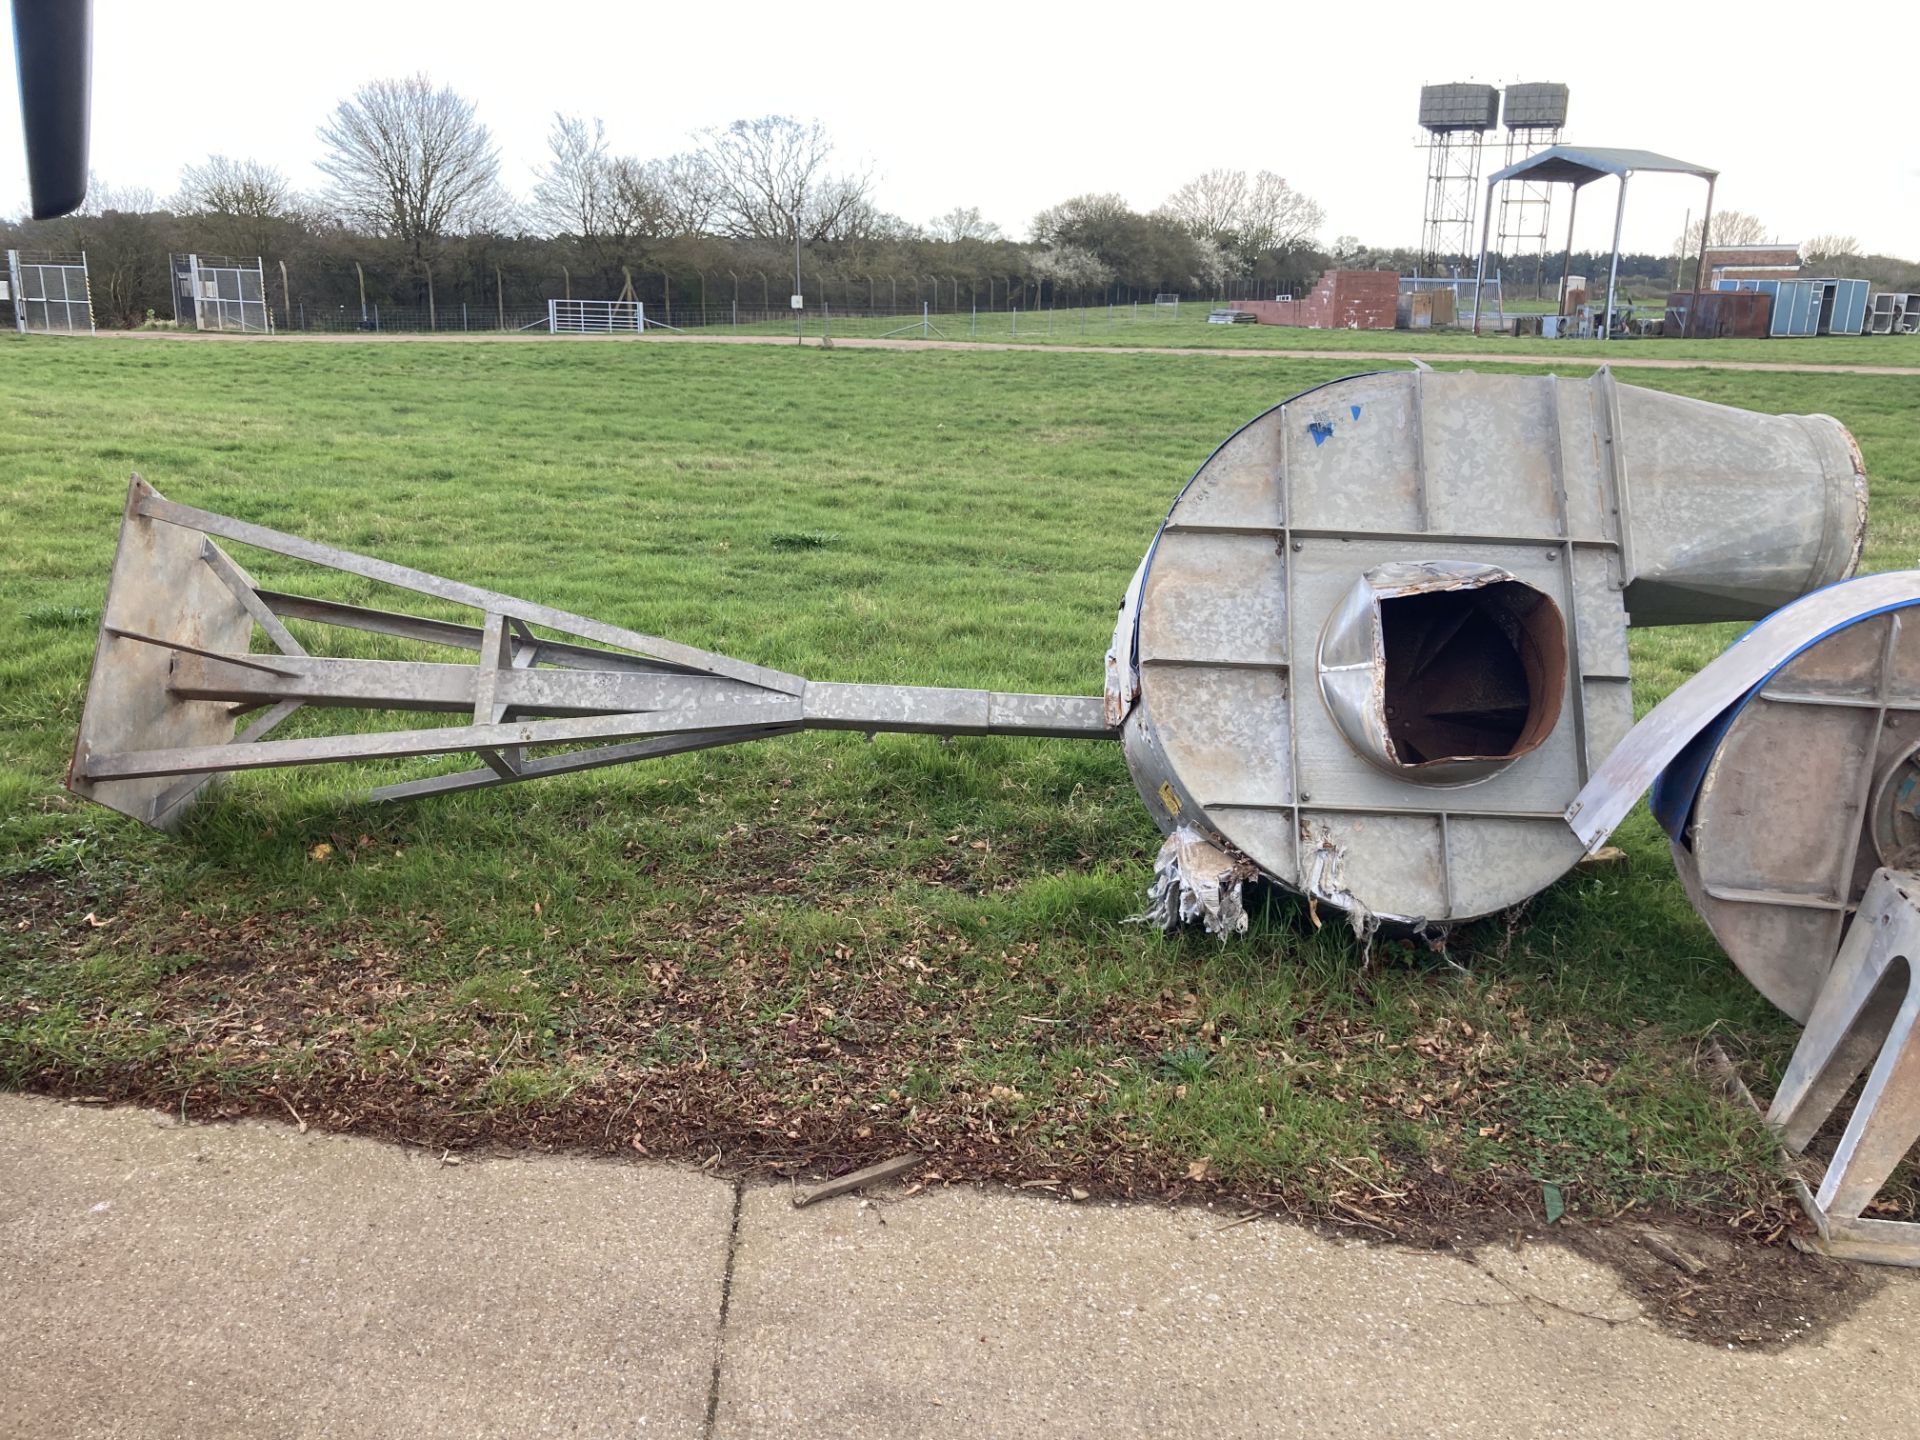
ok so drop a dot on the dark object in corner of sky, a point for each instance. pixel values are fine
(53, 40)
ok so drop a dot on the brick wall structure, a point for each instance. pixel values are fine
(1748, 262)
(1342, 300)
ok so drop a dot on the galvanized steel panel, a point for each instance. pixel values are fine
(1490, 859)
(1355, 471)
(1393, 864)
(1225, 732)
(1239, 487)
(1490, 453)
(1215, 597)
(1269, 838)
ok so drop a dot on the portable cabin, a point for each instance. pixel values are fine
(1827, 306)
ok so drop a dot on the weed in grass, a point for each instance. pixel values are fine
(60, 617)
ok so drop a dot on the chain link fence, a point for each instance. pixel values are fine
(921, 320)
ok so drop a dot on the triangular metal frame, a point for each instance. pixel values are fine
(173, 670)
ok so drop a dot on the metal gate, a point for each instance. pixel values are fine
(51, 294)
(595, 317)
(213, 292)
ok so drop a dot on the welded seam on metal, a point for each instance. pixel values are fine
(1609, 389)
(1570, 578)
(153, 506)
(245, 662)
(175, 796)
(496, 654)
(240, 584)
(1421, 505)
(1863, 797)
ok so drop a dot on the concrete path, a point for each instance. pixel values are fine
(1627, 359)
(159, 1280)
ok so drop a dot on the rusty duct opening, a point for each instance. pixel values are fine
(1473, 674)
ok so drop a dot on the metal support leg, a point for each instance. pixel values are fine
(496, 655)
(1868, 1014)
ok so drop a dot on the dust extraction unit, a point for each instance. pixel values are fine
(1372, 655)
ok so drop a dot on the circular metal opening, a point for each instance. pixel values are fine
(1444, 672)
(1896, 812)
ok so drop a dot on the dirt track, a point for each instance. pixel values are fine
(1396, 356)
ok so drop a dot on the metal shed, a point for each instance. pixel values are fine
(1720, 314)
(1579, 166)
(1827, 306)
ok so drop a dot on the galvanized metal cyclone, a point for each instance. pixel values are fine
(1813, 787)
(1462, 551)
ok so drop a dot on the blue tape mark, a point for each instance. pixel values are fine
(1153, 547)
(1320, 432)
(1356, 411)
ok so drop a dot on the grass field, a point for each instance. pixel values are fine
(816, 950)
(1144, 325)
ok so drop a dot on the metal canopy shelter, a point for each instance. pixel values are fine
(1579, 166)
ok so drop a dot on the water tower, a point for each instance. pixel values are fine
(1456, 118)
(1534, 115)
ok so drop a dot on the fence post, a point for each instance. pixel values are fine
(736, 312)
(463, 314)
(286, 297)
(500, 296)
(376, 317)
(973, 325)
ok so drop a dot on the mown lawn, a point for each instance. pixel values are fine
(1164, 328)
(817, 950)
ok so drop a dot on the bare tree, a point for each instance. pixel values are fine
(1245, 216)
(411, 161)
(573, 191)
(1730, 227)
(963, 222)
(1276, 216)
(771, 182)
(689, 192)
(1831, 247)
(104, 199)
(1210, 204)
(242, 206)
(241, 189)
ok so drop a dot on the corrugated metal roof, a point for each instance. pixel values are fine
(1582, 164)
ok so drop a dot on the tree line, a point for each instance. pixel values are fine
(414, 217)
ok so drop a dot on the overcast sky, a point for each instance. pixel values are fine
(1012, 107)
